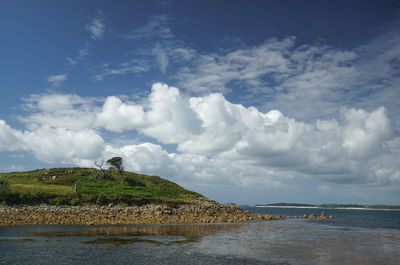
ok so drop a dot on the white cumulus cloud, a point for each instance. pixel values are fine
(9, 138)
(59, 145)
(215, 141)
(332, 150)
(54, 145)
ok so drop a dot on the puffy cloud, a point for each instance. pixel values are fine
(359, 136)
(57, 101)
(54, 145)
(60, 129)
(9, 138)
(317, 79)
(60, 110)
(60, 145)
(365, 132)
(191, 169)
(118, 116)
(216, 141)
(146, 157)
(167, 118)
(331, 150)
(386, 175)
(170, 118)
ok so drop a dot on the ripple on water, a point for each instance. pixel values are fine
(278, 242)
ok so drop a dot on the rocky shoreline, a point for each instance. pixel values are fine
(147, 214)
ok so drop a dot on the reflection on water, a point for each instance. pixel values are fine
(301, 242)
(117, 241)
(275, 242)
(15, 239)
(158, 233)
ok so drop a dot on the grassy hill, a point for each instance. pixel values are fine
(79, 186)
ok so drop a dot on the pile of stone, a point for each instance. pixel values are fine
(322, 216)
(204, 212)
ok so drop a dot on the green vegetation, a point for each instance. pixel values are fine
(116, 163)
(81, 186)
(4, 190)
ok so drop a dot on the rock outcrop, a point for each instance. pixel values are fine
(204, 212)
(314, 216)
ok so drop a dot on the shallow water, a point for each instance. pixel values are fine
(343, 217)
(292, 241)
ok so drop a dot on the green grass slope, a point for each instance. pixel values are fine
(79, 186)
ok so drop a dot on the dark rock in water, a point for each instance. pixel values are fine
(323, 216)
(312, 216)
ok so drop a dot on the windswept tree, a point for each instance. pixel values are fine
(100, 166)
(116, 163)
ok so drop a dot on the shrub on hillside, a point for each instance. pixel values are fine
(133, 182)
(101, 199)
(4, 190)
(4, 186)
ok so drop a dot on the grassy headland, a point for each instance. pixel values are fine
(91, 196)
(89, 186)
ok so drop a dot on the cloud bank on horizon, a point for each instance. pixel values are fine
(269, 118)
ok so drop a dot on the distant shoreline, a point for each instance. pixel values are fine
(321, 207)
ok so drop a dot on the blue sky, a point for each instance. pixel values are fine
(245, 102)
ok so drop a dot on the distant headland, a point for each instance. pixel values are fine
(333, 206)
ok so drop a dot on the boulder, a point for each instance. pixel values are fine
(312, 216)
(323, 216)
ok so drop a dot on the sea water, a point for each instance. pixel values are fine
(352, 237)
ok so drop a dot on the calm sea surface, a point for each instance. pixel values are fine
(353, 237)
